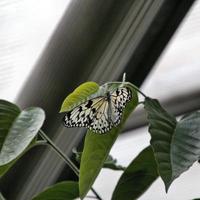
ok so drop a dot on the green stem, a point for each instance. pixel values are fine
(131, 85)
(65, 158)
(59, 152)
(137, 89)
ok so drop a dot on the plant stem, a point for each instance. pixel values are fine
(137, 89)
(131, 85)
(59, 152)
(65, 158)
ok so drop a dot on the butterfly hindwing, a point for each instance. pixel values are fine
(99, 114)
(100, 121)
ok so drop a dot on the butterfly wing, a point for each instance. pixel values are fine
(99, 114)
(92, 114)
(119, 98)
(100, 121)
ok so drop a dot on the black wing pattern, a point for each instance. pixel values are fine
(119, 99)
(101, 113)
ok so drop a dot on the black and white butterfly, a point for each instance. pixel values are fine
(101, 113)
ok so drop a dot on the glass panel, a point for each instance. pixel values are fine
(26, 26)
(177, 71)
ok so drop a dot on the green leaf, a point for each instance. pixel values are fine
(8, 113)
(176, 144)
(18, 130)
(5, 168)
(137, 177)
(185, 146)
(161, 128)
(67, 190)
(20, 134)
(79, 95)
(109, 163)
(97, 146)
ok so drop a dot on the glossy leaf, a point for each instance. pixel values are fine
(20, 134)
(176, 144)
(185, 146)
(97, 146)
(79, 95)
(17, 131)
(5, 168)
(137, 177)
(67, 190)
(8, 113)
(162, 126)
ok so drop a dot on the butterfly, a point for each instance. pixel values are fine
(100, 114)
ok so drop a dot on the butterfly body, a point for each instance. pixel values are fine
(100, 113)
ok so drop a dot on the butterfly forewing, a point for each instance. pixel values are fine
(91, 114)
(119, 99)
(99, 114)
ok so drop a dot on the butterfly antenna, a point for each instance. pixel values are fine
(124, 77)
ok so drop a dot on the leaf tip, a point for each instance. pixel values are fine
(167, 185)
(79, 94)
